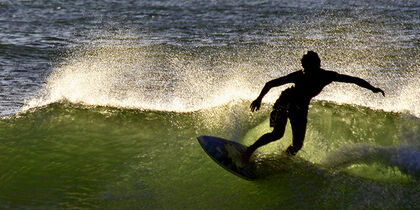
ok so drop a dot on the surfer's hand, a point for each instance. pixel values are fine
(255, 105)
(379, 90)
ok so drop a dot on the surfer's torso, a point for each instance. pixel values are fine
(306, 85)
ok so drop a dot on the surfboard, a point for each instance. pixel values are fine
(228, 155)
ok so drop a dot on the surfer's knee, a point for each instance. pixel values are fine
(277, 134)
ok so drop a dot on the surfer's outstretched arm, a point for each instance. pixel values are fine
(256, 104)
(358, 81)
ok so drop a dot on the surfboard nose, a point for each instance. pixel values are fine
(202, 141)
(228, 155)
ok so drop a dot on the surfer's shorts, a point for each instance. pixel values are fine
(283, 109)
(278, 116)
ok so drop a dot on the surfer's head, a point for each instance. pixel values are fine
(311, 61)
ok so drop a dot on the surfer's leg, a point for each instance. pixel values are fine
(266, 138)
(278, 121)
(298, 121)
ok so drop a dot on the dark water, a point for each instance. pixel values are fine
(102, 102)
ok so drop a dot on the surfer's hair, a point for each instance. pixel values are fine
(311, 60)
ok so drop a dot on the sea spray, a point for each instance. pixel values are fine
(119, 70)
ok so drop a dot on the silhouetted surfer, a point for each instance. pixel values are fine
(293, 102)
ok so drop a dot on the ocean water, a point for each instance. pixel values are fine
(101, 103)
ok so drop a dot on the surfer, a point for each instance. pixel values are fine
(293, 102)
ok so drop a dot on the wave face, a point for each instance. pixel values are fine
(95, 157)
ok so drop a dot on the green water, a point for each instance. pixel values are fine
(73, 156)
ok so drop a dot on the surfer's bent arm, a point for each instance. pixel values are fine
(358, 81)
(255, 105)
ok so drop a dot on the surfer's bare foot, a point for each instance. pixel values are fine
(286, 154)
(291, 151)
